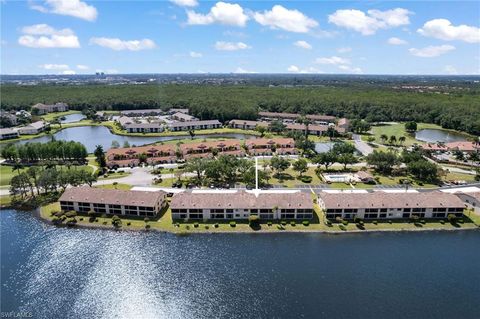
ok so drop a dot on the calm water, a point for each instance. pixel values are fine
(90, 136)
(73, 118)
(433, 136)
(78, 273)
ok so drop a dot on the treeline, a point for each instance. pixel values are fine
(458, 109)
(51, 151)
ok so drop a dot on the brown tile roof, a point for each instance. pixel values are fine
(390, 200)
(111, 196)
(266, 141)
(314, 117)
(207, 145)
(242, 199)
(462, 146)
(148, 149)
(194, 123)
(248, 122)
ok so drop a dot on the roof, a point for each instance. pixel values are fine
(123, 120)
(390, 200)
(181, 110)
(265, 141)
(4, 131)
(167, 148)
(142, 111)
(194, 123)
(211, 144)
(475, 195)
(248, 122)
(184, 116)
(143, 125)
(111, 196)
(462, 146)
(242, 199)
(364, 175)
(296, 115)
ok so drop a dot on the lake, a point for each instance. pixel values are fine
(71, 118)
(434, 136)
(78, 273)
(90, 136)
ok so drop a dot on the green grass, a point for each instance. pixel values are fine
(115, 175)
(291, 178)
(6, 172)
(51, 116)
(5, 200)
(398, 130)
(117, 186)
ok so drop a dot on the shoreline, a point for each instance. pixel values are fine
(271, 230)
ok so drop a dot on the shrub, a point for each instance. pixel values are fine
(253, 220)
(422, 221)
(345, 222)
(71, 213)
(146, 219)
(96, 220)
(452, 218)
(342, 227)
(269, 223)
(92, 213)
(207, 227)
(390, 221)
(306, 222)
(54, 213)
(105, 222)
(104, 215)
(442, 221)
(338, 219)
(177, 225)
(280, 227)
(284, 223)
(292, 223)
(233, 224)
(56, 220)
(195, 224)
(147, 226)
(58, 214)
(187, 227)
(461, 221)
(129, 223)
(81, 219)
(328, 223)
(375, 222)
(71, 221)
(216, 225)
(306, 179)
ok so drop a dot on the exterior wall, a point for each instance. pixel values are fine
(470, 201)
(30, 130)
(8, 135)
(194, 127)
(235, 214)
(388, 213)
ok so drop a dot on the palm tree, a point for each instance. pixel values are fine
(384, 138)
(393, 140)
(402, 139)
(17, 166)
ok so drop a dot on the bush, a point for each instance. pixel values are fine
(216, 225)
(442, 222)
(96, 220)
(461, 221)
(54, 213)
(147, 226)
(253, 220)
(56, 220)
(328, 223)
(280, 227)
(129, 223)
(375, 222)
(292, 223)
(176, 225)
(105, 222)
(284, 223)
(233, 224)
(306, 222)
(207, 227)
(58, 214)
(195, 224)
(81, 219)
(146, 219)
(306, 179)
(269, 223)
(390, 221)
(345, 222)
(71, 213)
(342, 227)
(187, 227)
(422, 221)
(104, 215)
(338, 219)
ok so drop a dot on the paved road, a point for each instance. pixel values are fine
(363, 147)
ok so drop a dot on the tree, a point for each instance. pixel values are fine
(402, 139)
(276, 126)
(197, 166)
(382, 161)
(327, 159)
(17, 167)
(459, 156)
(115, 144)
(384, 138)
(423, 170)
(191, 133)
(300, 166)
(100, 156)
(34, 173)
(393, 140)
(279, 164)
(249, 177)
(303, 143)
(347, 159)
(411, 126)
(126, 144)
(261, 129)
(343, 148)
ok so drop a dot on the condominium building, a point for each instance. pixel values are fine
(265, 146)
(183, 117)
(232, 205)
(206, 149)
(50, 108)
(130, 156)
(318, 119)
(33, 128)
(383, 205)
(8, 133)
(471, 199)
(194, 125)
(246, 124)
(112, 201)
(143, 112)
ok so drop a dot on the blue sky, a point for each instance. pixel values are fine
(191, 36)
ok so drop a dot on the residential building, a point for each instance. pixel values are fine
(8, 133)
(471, 199)
(102, 116)
(124, 120)
(7, 119)
(206, 149)
(130, 156)
(291, 117)
(194, 125)
(343, 125)
(383, 205)
(266, 146)
(112, 201)
(33, 128)
(152, 127)
(246, 124)
(313, 129)
(235, 204)
(464, 146)
(177, 110)
(23, 113)
(144, 112)
(183, 117)
(50, 108)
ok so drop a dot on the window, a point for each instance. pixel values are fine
(406, 215)
(406, 210)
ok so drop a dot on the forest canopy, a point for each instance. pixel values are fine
(454, 110)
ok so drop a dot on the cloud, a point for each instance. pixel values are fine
(69, 72)
(231, 46)
(194, 54)
(74, 8)
(368, 23)
(44, 36)
(222, 13)
(54, 66)
(289, 20)
(396, 41)
(296, 69)
(344, 50)
(185, 3)
(303, 44)
(450, 69)
(240, 70)
(335, 60)
(293, 68)
(119, 45)
(82, 67)
(444, 30)
(431, 51)
(349, 69)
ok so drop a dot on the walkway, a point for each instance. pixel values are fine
(362, 146)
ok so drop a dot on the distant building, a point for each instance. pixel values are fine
(50, 108)
(153, 127)
(265, 146)
(33, 128)
(382, 205)
(232, 205)
(246, 124)
(102, 116)
(112, 201)
(194, 125)
(176, 110)
(183, 117)
(8, 119)
(206, 149)
(313, 129)
(8, 133)
(144, 112)
(317, 119)
(467, 147)
(124, 120)
(364, 176)
(129, 156)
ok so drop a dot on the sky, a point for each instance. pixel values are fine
(194, 36)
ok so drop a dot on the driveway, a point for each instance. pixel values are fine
(362, 146)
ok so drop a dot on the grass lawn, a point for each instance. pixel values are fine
(452, 176)
(6, 172)
(398, 130)
(117, 186)
(118, 174)
(51, 116)
(290, 178)
(5, 200)
(164, 223)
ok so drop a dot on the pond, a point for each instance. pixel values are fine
(91, 136)
(435, 135)
(71, 118)
(90, 273)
